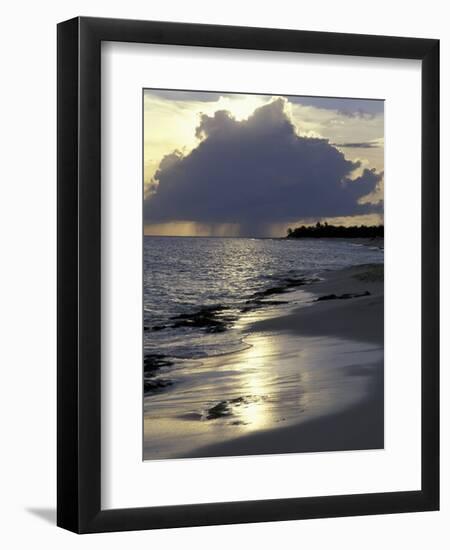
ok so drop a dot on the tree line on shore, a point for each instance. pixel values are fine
(324, 230)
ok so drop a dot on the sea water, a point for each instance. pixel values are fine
(182, 275)
(212, 382)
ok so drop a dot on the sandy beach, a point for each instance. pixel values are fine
(354, 317)
(310, 378)
(359, 426)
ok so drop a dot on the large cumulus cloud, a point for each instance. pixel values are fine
(257, 171)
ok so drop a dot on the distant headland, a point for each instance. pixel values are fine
(325, 230)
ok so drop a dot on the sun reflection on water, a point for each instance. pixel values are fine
(273, 393)
(276, 381)
(256, 383)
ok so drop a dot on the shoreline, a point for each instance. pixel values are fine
(356, 428)
(310, 380)
(359, 426)
(356, 317)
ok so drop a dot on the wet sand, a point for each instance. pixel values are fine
(355, 318)
(358, 428)
(358, 318)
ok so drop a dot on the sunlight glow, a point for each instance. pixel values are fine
(170, 125)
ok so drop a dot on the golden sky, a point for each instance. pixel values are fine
(171, 118)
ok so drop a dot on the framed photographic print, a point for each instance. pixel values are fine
(248, 317)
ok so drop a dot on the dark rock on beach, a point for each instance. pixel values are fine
(210, 318)
(225, 408)
(345, 296)
(153, 363)
(354, 295)
(293, 282)
(258, 299)
(218, 411)
(214, 318)
(326, 297)
(155, 384)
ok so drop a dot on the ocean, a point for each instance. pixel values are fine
(183, 275)
(207, 377)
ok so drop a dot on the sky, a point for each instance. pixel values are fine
(223, 164)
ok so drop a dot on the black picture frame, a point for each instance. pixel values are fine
(79, 280)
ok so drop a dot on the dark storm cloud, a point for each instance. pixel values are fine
(185, 95)
(359, 145)
(257, 171)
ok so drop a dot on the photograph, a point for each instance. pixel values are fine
(263, 274)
